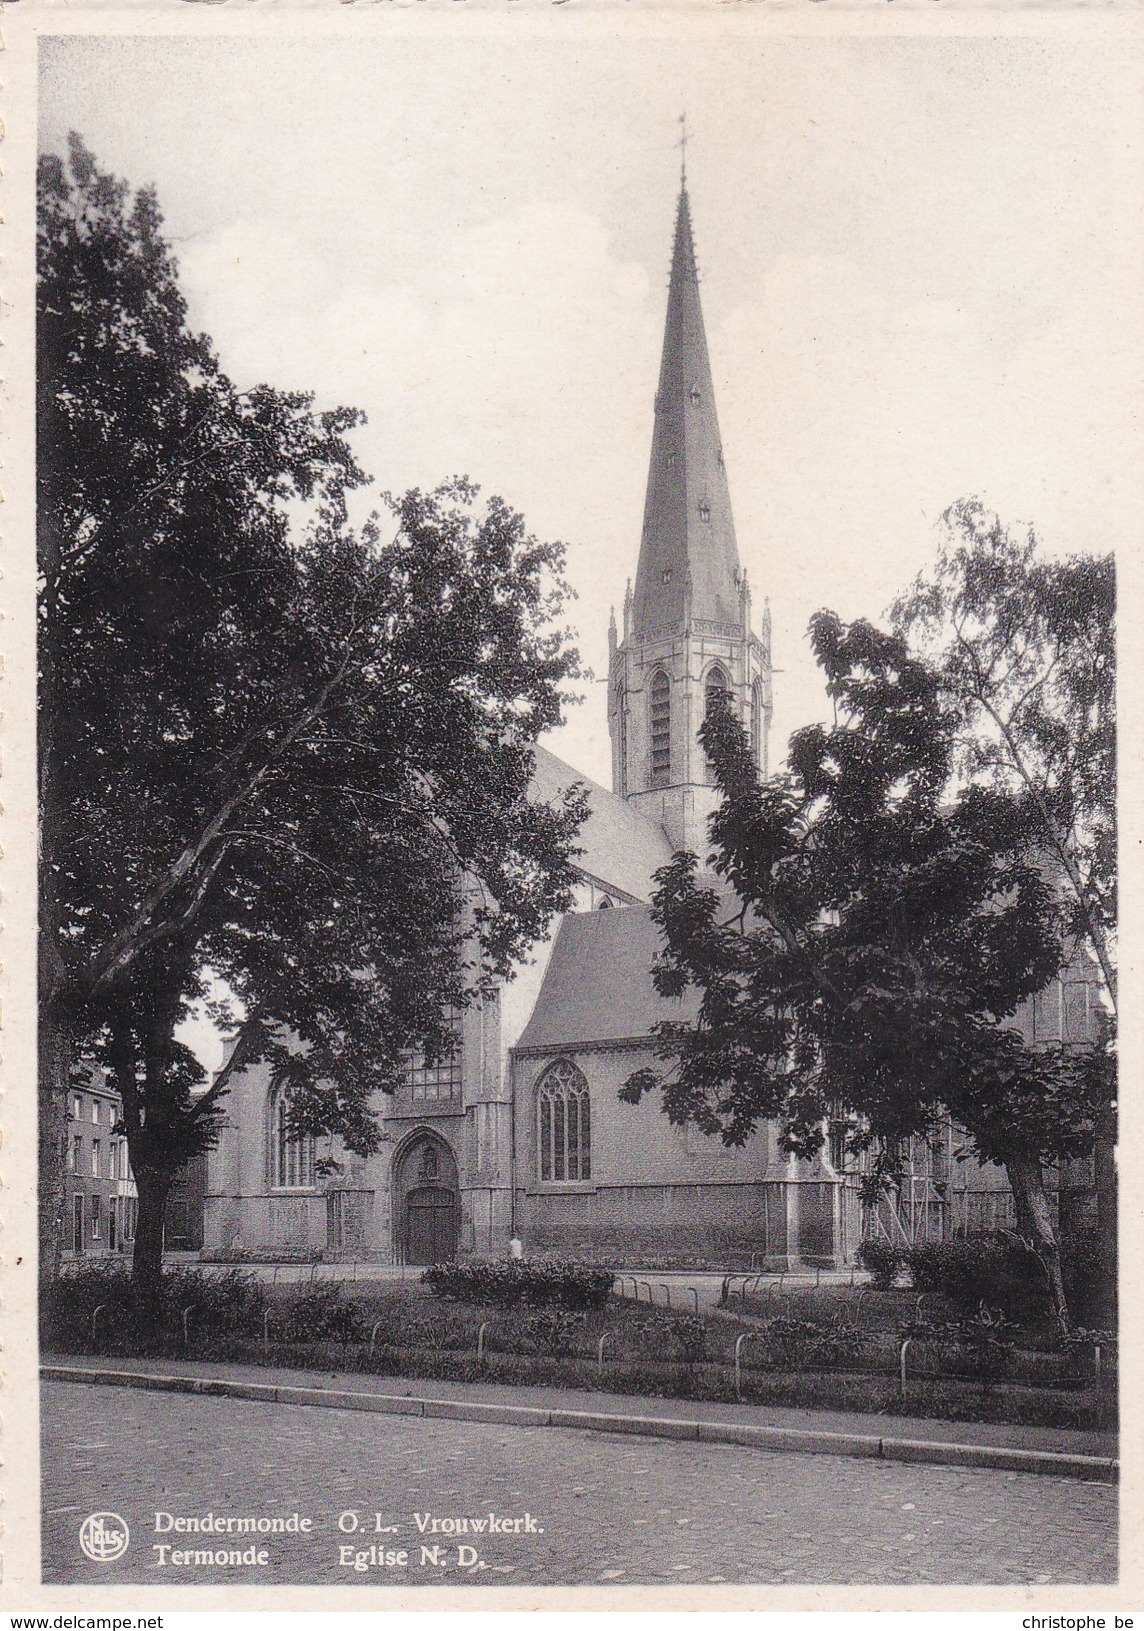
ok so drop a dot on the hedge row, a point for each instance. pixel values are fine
(998, 1269)
(100, 1307)
(541, 1283)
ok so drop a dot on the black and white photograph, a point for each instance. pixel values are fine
(576, 696)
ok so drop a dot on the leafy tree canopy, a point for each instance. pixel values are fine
(864, 932)
(276, 752)
(1026, 650)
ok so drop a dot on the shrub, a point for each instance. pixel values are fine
(689, 1333)
(436, 1335)
(784, 1342)
(883, 1259)
(554, 1332)
(1091, 1300)
(324, 1315)
(543, 1283)
(99, 1310)
(988, 1338)
(836, 1347)
(95, 1299)
(787, 1343)
(223, 1305)
(999, 1270)
(242, 1254)
(1080, 1356)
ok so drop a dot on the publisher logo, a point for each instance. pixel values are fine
(103, 1536)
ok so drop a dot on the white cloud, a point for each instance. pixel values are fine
(524, 355)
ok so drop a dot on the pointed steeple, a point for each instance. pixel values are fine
(689, 564)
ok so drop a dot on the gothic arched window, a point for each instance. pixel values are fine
(291, 1159)
(718, 685)
(563, 1124)
(660, 723)
(757, 723)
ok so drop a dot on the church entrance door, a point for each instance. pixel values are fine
(427, 1201)
(431, 1226)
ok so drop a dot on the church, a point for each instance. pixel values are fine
(520, 1132)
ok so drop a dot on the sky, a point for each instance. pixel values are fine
(912, 273)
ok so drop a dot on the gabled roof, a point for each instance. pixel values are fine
(620, 847)
(597, 986)
(689, 564)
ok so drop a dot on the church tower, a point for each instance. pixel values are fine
(687, 629)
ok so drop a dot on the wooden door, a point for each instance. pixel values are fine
(431, 1225)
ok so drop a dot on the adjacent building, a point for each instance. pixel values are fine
(100, 1198)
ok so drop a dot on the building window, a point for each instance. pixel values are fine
(1048, 1013)
(96, 1148)
(696, 399)
(564, 1124)
(660, 729)
(757, 723)
(704, 510)
(95, 1112)
(291, 1159)
(73, 1153)
(77, 1108)
(77, 1224)
(129, 1210)
(718, 685)
(670, 461)
(442, 1081)
(96, 1217)
(840, 1129)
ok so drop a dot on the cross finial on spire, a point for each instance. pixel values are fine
(684, 138)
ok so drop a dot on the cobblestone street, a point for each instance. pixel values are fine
(606, 1507)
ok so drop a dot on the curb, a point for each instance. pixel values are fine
(1056, 1463)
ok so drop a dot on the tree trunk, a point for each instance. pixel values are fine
(54, 1066)
(154, 1185)
(1026, 1175)
(1023, 1212)
(1104, 1173)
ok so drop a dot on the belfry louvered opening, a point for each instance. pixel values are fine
(660, 729)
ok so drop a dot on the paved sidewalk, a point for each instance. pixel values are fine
(1068, 1441)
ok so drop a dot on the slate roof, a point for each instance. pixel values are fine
(597, 986)
(688, 563)
(621, 847)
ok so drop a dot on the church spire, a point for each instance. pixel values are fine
(689, 564)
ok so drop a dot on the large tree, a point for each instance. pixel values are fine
(1025, 646)
(865, 936)
(280, 758)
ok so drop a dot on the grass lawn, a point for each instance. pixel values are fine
(801, 1349)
